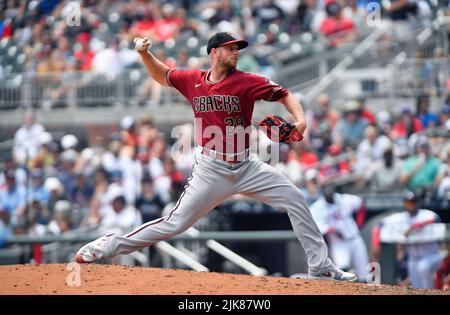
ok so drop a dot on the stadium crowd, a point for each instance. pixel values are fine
(94, 35)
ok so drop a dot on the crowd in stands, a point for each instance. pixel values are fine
(49, 36)
(356, 149)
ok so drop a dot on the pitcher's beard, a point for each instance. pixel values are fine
(229, 65)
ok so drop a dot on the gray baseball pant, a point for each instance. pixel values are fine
(212, 182)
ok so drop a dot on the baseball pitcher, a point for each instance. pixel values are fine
(222, 100)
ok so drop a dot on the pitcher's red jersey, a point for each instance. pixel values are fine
(226, 105)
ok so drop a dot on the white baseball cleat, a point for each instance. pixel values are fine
(337, 275)
(91, 251)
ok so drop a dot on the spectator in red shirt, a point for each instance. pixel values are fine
(331, 115)
(336, 26)
(129, 132)
(334, 166)
(84, 56)
(406, 125)
(306, 158)
(168, 26)
(366, 113)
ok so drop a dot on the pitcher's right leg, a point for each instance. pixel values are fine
(197, 199)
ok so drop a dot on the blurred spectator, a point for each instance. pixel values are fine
(445, 115)
(34, 217)
(442, 181)
(99, 198)
(5, 228)
(384, 122)
(107, 61)
(365, 112)
(311, 190)
(184, 159)
(149, 203)
(304, 155)
(69, 142)
(13, 199)
(336, 25)
(128, 131)
(131, 170)
(267, 12)
(37, 190)
(306, 16)
(84, 55)
(67, 174)
(405, 125)
(370, 149)
(10, 164)
(83, 190)
(110, 158)
(147, 134)
(45, 158)
(117, 216)
(349, 131)
(319, 132)
(421, 169)
(427, 118)
(334, 214)
(401, 9)
(56, 190)
(164, 181)
(334, 166)
(383, 176)
(155, 164)
(332, 116)
(289, 165)
(61, 219)
(27, 139)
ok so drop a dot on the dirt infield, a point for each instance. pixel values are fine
(113, 279)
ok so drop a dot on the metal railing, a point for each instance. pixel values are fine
(80, 89)
(420, 77)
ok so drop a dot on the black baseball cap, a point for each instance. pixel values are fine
(412, 195)
(224, 38)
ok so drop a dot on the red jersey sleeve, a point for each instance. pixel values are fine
(182, 80)
(261, 88)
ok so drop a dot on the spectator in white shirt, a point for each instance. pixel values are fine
(27, 139)
(118, 216)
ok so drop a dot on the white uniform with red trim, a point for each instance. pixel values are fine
(347, 248)
(223, 166)
(423, 258)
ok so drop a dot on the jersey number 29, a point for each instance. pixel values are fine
(234, 124)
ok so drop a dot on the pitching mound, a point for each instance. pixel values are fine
(113, 279)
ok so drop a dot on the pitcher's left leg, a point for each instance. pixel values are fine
(262, 182)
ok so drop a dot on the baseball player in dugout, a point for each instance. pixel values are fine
(223, 99)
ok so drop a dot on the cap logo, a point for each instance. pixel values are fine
(232, 36)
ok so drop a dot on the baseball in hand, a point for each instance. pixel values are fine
(140, 43)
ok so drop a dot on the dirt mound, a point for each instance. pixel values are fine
(113, 279)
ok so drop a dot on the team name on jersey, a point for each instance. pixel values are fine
(212, 103)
